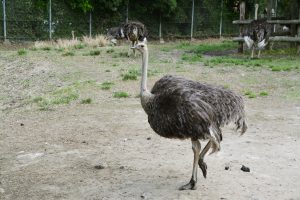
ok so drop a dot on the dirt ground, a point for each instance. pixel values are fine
(52, 153)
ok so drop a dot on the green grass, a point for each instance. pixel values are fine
(22, 52)
(68, 53)
(250, 94)
(64, 96)
(281, 68)
(191, 57)
(120, 95)
(106, 85)
(110, 50)
(220, 46)
(131, 74)
(94, 52)
(46, 48)
(80, 46)
(263, 94)
(86, 101)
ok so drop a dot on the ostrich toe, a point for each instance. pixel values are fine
(190, 186)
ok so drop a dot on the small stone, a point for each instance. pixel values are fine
(101, 166)
(21, 124)
(122, 167)
(245, 169)
(144, 196)
(226, 167)
(148, 138)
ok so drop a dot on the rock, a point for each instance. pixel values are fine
(148, 138)
(21, 124)
(245, 169)
(122, 167)
(144, 195)
(101, 166)
(227, 167)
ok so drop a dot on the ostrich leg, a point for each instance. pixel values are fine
(252, 54)
(196, 146)
(201, 163)
(258, 56)
(133, 44)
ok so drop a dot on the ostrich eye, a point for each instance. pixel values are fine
(142, 46)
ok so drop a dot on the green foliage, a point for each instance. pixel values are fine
(22, 52)
(68, 53)
(106, 85)
(191, 57)
(86, 101)
(263, 93)
(250, 94)
(95, 53)
(120, 95)
(130, 75)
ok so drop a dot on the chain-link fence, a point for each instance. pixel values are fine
(21, 20)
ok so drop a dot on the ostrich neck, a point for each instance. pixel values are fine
(145, 93)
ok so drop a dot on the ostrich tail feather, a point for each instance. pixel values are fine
(249, 42)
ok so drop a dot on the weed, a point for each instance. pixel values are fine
(106, 85)
(120, 95)
(110, 50)
(250, 94)
(281, 68)
(46, 48)
(86, 101)
(263, 93)
(107, 70)
(68, 53)
(130, 75)
(22, 52)
(80, 46)
(95, 53)
(191, 57)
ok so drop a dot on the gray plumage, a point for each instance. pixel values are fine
(257, 35)
(181, 108)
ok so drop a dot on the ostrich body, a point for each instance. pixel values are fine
(185, 109)
(257, 35)
(134, 31)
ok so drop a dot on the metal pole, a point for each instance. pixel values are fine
(4, 20)
(90, 24)
(50, 21)
(221, 20)
(127, 11)
(192, 23)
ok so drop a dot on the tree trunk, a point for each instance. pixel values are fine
(242, 17)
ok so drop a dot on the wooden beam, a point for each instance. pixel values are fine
(241, 22)
(294, 21)
(272, 39)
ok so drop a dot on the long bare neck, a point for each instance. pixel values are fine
(146, 95)
(144, 72)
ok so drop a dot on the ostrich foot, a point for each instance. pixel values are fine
(203, 167)
(190, 186)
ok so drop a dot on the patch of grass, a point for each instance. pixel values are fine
(263, 94)
(46, 48)
(80, 46)
(120, 95)
(94, 52)
(86, 101)
(123, 54)
(22, 52)
(106, 85)
(68, 53)
(110, 50)
(191, 57)
(220, 46)
(130, 75)
(250, 94)
(37, 99)
(64, 96)
(281, 68)
(115, 65)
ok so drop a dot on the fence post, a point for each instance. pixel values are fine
(221, 20)
(4, 20)
(90, 24)
(50, 21)
(161, 40)
(242, 17)
(192, 23)
(127, 11)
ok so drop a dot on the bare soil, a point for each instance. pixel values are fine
(52, 154)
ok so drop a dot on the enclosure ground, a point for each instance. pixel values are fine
(60, 117)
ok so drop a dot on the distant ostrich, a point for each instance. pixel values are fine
(115, 33)
(134, 31)
(257, 35)
(182, 109)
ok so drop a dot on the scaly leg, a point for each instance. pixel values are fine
(258, 54)
(128, 54)
(252, 54)
(201, 162)
(133, 43)
(196, 146)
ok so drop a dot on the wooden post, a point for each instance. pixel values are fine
(298, 32)
(242, 17)
(256, 11)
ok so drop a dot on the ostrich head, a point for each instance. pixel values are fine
(141, 46)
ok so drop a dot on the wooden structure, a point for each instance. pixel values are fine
(243, 23)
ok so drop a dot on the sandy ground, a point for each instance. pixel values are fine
(52, 154)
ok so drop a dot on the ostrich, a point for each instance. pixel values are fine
(185, 109)
(115, 33)
(257, 35)
(134, 31)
